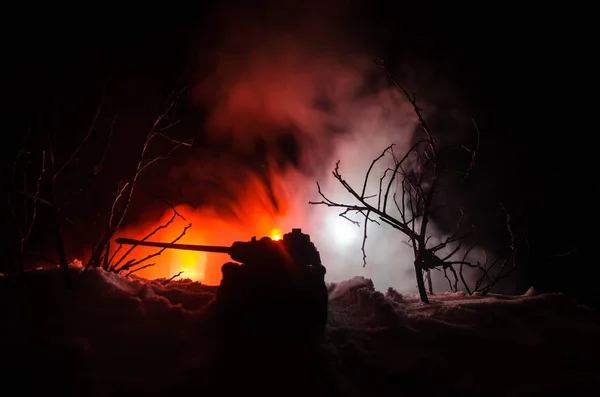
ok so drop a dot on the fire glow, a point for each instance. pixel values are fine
(206, 229)
(276, 235)
(263, 208)
(265, 211)
(233, 195)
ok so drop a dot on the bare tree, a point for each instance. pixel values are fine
(26, 178)
(407, 191)
(36, 175)
(101, 253)
(33, 189)
(118, 264)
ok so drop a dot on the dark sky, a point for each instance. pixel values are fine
(516, 69)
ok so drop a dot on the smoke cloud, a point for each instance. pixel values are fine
(289, 93)
(306, 82)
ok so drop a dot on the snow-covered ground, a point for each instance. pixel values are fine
(111, 336)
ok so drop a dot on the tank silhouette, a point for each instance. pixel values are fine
(274, 284)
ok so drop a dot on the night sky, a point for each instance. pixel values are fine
(515, 73)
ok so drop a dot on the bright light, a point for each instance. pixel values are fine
(191, 263)
(341, 230)
(275, 235)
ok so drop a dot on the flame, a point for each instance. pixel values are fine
(247, 211)
(192, 264)
(276, 235)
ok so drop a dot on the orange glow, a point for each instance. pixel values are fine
(191, 263)
(220, 225)
(276, 235)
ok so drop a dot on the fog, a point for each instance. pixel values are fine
(287, 100)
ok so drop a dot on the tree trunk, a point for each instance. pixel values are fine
(19, 267)
(60, 243)
(20, 261)
(421, 283)
(60, 247)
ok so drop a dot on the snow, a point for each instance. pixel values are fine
(116, 336)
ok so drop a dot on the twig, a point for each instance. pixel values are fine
(134, 263)
(152, 233)
(417, 173)
(122, 201)
(90, 130)
(364, 241)
(97, 169)
(172, 278)
(139, 268)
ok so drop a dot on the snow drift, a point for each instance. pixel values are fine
(116, 336)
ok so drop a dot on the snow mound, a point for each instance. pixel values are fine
(111, 335)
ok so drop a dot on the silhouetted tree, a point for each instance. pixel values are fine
(101, 253)
(39, 181)
(32, 191)
(406, 199)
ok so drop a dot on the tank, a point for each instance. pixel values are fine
(268, 285)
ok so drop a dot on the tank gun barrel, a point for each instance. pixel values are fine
(186, 247)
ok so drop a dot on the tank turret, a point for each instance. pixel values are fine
(271, 284)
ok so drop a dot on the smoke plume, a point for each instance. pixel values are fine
(289, 92)
(306, 82)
